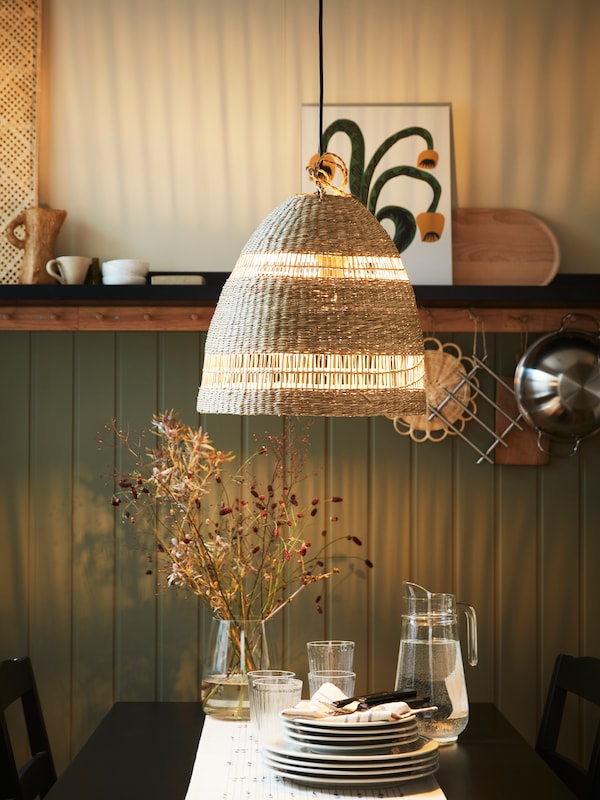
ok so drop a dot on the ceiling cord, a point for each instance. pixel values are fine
(320, 77)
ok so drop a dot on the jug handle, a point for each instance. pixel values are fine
(472, 654)
(10, 231)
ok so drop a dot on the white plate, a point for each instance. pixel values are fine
(351, 769)
(403, 774)
(296, 753)
(325, 726)
(343, 723)
(359, 736)
(354, 780)
(362, 729)
(352, 744)
(355, 751)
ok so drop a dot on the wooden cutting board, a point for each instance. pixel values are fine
(522, 444)
(502, 246)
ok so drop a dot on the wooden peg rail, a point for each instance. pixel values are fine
(452, 309)
(498, 320)
(106, 318)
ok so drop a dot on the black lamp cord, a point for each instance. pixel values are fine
(320, 77)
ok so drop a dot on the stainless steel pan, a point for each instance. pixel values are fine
(557, 384)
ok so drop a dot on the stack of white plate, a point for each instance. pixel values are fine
(338, 733)
(325, 753)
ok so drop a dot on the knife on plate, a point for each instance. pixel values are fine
(366, 701)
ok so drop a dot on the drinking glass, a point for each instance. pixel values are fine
(330, 654)
(342, 678)
(276, 675)
(270, 696)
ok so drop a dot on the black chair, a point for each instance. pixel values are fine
(38, 774)
(580, 677)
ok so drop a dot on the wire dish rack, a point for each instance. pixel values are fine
(453, 393)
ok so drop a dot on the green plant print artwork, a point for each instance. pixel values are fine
(367, 188)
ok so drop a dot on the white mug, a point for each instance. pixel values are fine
(69, 269)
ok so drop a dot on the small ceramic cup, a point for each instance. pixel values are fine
(69, 269)
(124, 270)
(119, 265)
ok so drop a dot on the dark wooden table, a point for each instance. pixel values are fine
(146, 751)
(492, 761)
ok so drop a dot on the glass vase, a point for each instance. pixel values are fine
(233, 648)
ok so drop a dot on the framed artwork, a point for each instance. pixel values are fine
(399, 166)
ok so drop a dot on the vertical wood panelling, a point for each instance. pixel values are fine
(51, 522)
(302, 621)
(16, 541)
(520, 543)
(15, 364)
(135, 624)
(433, 556)
(518, 634)
(255, 431)
(388, 545)
(93, 609)
(347, 611)
(474, 558)
(559, 565)
(178, 617)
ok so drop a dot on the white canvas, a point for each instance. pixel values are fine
(414, 190)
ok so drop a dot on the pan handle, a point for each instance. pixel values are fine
(574, 315)
(548, 452)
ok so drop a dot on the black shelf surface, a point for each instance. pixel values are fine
(100, 294)
(573, 290)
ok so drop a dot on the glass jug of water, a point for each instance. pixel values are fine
(430, 661)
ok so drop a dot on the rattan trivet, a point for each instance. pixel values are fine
(446, 391)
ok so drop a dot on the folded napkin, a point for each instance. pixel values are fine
(320, 707)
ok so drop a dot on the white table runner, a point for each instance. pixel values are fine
(229, 766)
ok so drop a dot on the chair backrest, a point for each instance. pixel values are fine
(34, 778)
(581, 677)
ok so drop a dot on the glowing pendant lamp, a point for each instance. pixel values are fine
(318, 316)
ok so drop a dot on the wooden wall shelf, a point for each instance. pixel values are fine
(499, 309)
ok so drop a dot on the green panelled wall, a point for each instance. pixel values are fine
(520, 543)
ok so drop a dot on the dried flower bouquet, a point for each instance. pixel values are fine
(241, 545)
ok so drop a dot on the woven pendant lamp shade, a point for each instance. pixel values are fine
(318, 318)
